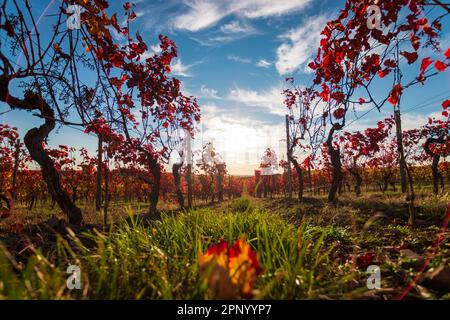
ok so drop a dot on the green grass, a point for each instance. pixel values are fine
(432, 207)
(299, 246)
(159, 261)
(241, 205)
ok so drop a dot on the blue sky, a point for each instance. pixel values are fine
(234, 56)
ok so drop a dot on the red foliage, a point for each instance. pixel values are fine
(410, 56)
(364, 260)
(395, 94)
(446, 104)
(339, 113)
(440, 66)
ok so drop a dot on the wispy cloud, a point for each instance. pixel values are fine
(235, 27)
(202, 14)
(263, 64)
(218, 39)
(156, 48)
(208, 93)
(180, 69)
(271, 100)
(299, 45)
(266, 8)
(235, 58)
(227, 33)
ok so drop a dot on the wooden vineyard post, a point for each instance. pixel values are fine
(309, 179)
(288, 146)
(16, 169)
(98, 198)
(105, 213)
(401, 154)
(189, 168)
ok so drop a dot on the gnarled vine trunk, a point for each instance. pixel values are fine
(34, 140)
(176, 168)
(156, 185)
(98, 195)
(220, 174)
(437, 176)
(401, 153)
(299, 172)
(335, 158)
(219, 187)
(358, 180)
(386, 179)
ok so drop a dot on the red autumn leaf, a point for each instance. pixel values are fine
(124, 111)
(428, 30)
(361, 100)
(9, 27)
(395, 94)
(132, 16)
(424, 65)
(447, 53)
(445, 113)
(339, 113)
(218, 248)
(390, 63)
(446, 104)
(440, 66)
(364, 260)
(325, 94)
(437, 24)
(5, 214)
(422, 21)
(230, 272)
(165, 124)
(312, 65)
(410, 56)
(127, 6)
(415, 41)
(383, 73)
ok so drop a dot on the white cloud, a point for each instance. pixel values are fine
(208, 93)
(119, 37)
(227, 33)
(156, 48)
(139, 14)
(180, 69)
(299, 45)
(414, 121)
(201, 14)
(237, 27)
(271, 99)
(219, 39)
(206, 13)
(263, 64)
(235, 58)
(266, 8)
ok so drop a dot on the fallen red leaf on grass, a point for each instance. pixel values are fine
(230, 272)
